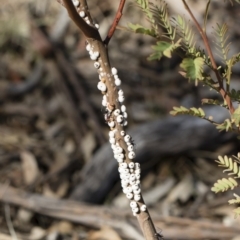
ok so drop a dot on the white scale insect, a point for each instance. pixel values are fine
(129, 173)
(76, 3)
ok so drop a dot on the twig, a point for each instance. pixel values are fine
(203, 34)
(9, 222)
(88, 30)
(95, 216)
(115, 22)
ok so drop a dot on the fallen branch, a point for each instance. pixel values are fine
(119, 219)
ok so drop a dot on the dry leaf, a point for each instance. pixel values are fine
(69, 146)
(29, 167)
(5, 237)
(106, 233)
(61, 160)
(182, 191)
(37, 233)
(62, 227)
(24, 215)
(88, 144)
(160, 190)
(60, 191)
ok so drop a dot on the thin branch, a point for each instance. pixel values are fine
(88, 30)
(115, 22)
(96, 216)
(113, 102)
(203, 34)
(9, 222)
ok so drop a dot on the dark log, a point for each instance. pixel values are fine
(165, 137)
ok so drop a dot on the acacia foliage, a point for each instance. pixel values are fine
(179, 38)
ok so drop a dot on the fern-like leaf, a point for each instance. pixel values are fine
(228, 69)
(163, 48)
(211, 102)
(193, 68)
(224, 184)
(236, 58)
(225, 126)
(192, 111)
(186, 33)
(228, 72)
(230, 164)
(160, 14)
(236, 116)
(235, 95)
(144, 6)
(222, 44)
(236, 200)
(137, 28)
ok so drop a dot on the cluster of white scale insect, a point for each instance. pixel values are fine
(129, 172)
(82, 13)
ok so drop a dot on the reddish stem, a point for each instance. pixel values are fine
(115, 22)
(203, 34)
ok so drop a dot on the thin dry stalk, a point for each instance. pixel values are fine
(115, 22)
(9, 222)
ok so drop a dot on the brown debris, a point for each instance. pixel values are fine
(54, 141)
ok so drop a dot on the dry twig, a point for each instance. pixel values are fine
(98, 216)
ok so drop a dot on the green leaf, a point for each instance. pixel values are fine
(236, 58)
(143, 4)
(224, 184)
(185, 31)
(163, 48)
(236, 116)
(230, 164)
(226, 125)
(236, 200)
(192, 111)
(193, 68)
(235, 95)
(137, 28)
(221, 43)
(160, 14)
(210, 101)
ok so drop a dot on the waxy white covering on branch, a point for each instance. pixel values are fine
(116, 118)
